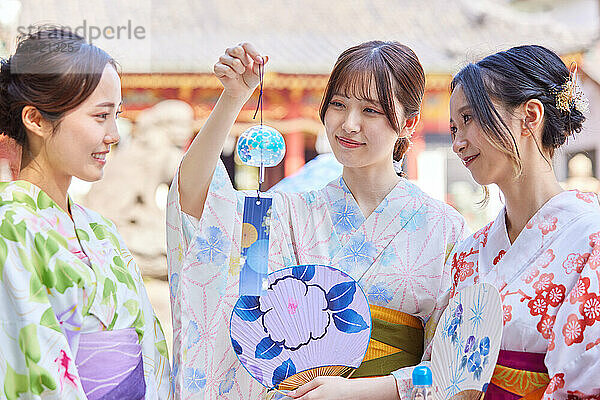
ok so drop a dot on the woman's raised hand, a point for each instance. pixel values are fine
(238, 70)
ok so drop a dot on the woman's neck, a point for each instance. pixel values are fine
(370, 185)
(55, 187)
(525, 195)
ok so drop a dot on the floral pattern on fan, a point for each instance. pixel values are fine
(455, 322)
(476, 355)
(476, 351)
(467, 341)
(275, 311)
(309, 317)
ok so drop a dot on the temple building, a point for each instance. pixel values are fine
(173, 58)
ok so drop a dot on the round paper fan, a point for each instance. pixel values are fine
(467, 341)
(313, 320)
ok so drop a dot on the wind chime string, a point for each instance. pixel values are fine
(260, 93)
(259, 106)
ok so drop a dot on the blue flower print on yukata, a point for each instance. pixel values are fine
(412, 221)
(174, 284)
(193, 334)
(379, 295)
(343, 186)
(227, 384)
(382, 206)
(309, 197)
(388, 257)
(194, 380)
(220, 178)
(333, 245)
(412, 190)
(357, 252)
(345, 216)
(212, 246)
(174, 373)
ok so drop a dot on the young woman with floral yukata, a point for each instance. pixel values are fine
(509, 113)
(371, 223)
(76, 322)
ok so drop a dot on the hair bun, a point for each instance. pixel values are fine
(560, 125)
(573, 121)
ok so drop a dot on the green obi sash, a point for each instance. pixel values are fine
(396, 341)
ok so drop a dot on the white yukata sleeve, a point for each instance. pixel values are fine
(198, 250)
(182, 227)
(36, 359)
(220, 208)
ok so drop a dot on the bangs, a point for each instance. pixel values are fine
(355, 83)
(365, 78)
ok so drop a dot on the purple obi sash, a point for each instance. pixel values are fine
(110, 365)
(518, 375)
(522, 360)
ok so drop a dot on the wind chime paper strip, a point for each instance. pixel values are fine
(467, 341)
(255, 246)
(314, 320)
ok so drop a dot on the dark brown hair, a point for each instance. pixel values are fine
(395, 69)
(53, 70)
(511, 78)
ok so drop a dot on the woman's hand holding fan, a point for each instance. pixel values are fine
(337, 388)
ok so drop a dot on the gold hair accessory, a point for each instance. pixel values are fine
(570, 94)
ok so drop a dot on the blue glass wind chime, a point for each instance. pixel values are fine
(259, 146)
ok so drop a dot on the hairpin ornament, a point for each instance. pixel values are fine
(570, 95)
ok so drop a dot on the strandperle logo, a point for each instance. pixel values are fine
(90, 32)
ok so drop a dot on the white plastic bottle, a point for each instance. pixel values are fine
(421, 380)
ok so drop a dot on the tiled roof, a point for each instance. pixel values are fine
(305, 36)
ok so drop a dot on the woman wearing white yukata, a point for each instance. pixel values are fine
(371, 223)
(75, 319)
(509, 113)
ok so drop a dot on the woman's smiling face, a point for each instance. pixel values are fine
(83, 139)
(358, 130)
(487, 164)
